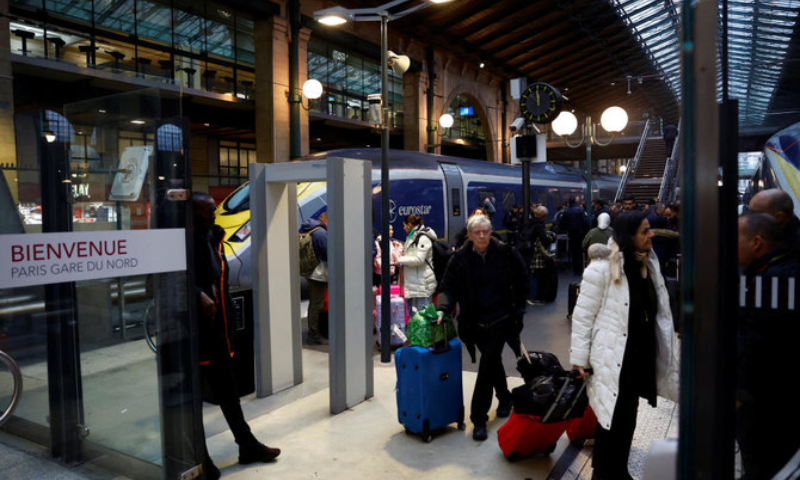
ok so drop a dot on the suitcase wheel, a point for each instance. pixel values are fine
(427, 437)
(513, 456)
(550, 449)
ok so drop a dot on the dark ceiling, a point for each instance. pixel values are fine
(582, 47)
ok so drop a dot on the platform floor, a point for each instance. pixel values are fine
(367, 442)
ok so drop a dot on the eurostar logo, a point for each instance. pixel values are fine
(392, 211)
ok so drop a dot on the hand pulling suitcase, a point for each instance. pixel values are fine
(429, 388)
(572, 297)
(398, 321)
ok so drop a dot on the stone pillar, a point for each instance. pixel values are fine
(415, 115)
(272, 89)
(8, 147)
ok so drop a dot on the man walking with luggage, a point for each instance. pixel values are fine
(489, 281)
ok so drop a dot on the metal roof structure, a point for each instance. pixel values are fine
(619, 52)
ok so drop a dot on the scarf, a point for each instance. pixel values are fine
(641, 257)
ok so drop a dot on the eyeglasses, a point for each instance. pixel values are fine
(481, 233)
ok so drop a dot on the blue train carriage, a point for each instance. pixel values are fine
(442, 190)
(781, 166)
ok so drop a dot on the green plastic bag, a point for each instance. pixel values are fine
(418, 329)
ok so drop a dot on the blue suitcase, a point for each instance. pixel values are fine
(429, 391)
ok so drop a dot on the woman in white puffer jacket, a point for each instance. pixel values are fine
(419, 280)
(622, 328)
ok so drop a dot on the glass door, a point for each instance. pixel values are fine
(106, 349)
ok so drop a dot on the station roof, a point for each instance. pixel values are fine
(600, 53)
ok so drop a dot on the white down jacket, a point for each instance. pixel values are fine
(600, 330)
(419, 281)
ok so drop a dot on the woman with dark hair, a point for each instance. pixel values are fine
(622, 328)
(419, 279)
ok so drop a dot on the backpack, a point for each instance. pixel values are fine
(308, 259)
(442, 251)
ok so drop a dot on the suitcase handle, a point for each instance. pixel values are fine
(446, 347)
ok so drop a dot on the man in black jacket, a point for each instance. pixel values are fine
(576, 224)
(489, 281)
(767, 336)
(216, 351)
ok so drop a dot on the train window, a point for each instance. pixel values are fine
(487, 201)
(509, 200)
(455, 200)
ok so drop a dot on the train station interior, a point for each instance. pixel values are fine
(113, 112)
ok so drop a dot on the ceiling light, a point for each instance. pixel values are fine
(138, 122)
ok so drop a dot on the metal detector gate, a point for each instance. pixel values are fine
(276, 279)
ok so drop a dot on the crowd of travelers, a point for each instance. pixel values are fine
(624, 338)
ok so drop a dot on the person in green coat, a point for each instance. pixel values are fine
(599, 234)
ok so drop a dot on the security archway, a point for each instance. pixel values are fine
(276, 278)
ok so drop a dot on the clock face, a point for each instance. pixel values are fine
(540, 103)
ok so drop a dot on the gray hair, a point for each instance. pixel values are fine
(478, 221)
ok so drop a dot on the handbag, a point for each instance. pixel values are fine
(541, 257)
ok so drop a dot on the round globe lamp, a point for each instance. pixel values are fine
(614, 119)
(446, 120)
(565, 124)
(312, 89)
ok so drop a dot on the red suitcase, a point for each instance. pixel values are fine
(582, 428)
(525, 435)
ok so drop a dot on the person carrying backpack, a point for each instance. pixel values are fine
(419, 278)
(314, 266)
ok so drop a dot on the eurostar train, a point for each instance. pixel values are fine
(781, 165)
(442, 190)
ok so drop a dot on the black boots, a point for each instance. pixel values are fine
(257, 452)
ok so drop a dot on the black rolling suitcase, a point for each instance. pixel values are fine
(548, 284)
(572, 297)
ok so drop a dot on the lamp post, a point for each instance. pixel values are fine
(337, 16)
(613, 120)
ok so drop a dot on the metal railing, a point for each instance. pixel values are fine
(633, 163)
(669, 182)
(16, 390)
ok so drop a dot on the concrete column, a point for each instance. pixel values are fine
(272, 89)
(8, 147)
(415, 115)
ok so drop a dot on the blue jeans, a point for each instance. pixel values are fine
(417, 304)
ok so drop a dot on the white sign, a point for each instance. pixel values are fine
(45, 258)
(131, 174)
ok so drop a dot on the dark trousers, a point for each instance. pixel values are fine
(576, 252)
(219, 378)
(613, 446)
(316, 300)
(491, 373)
